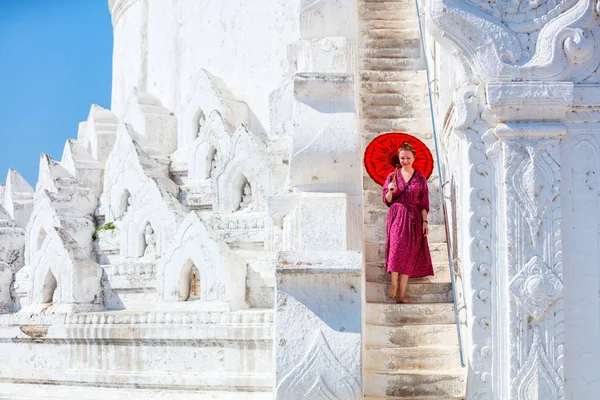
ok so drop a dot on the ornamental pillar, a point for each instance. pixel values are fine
(525, 129)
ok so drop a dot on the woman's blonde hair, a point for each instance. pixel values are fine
(406, 146)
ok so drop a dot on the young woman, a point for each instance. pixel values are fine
(407, 255)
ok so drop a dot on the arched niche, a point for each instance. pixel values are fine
(210, 93)
(210, 149)
(198, 253)
(62, 274)
(198, 122)
(190, 282)
(41, 236)
(206, 157)
(148, 247)
(124, 204)
(250, 164)
(241, 191)
(49, 287)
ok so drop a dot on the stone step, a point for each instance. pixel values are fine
(376, 273)
(407, 111)
(375, 252)
(413, 100)
(416, 125)
(414, 383)
(386, 23)
(410, 49)
(393, 14)
(417, 314)
(422, 292)
(388, 5)
(395, 33)
(395, 43)
(402, 88)
(393, 76)
(392, 64)
(410, 335)
(437, 358)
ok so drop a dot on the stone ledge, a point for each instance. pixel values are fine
(94, 392)
(337, 262)
(145, 380)
(127, 318)
(140, 334)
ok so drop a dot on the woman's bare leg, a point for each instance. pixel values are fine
(402, 291)
(393, 286)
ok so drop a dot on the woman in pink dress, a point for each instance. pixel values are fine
(407, 255)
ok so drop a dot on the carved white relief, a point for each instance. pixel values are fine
(63, 273)
(537, 379)
(536, 286)
(139, 191)
(477, 253)
(534, 249)
(541, 40)
(319, 376)
(221, 279)
(210, 149)
(210, 94)
(250, 163)
(535, 185)
(149, 242)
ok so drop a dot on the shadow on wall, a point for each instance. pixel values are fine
(315, 292)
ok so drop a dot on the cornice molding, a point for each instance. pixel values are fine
(567, 47)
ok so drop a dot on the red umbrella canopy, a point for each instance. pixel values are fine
(381, 155)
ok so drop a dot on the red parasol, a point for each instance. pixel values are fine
(381, 155)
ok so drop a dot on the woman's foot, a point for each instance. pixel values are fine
(402, 301)
(392, 291)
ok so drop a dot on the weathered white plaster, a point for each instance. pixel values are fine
(325, 148)
(83, 166)
(97, 134)
(156, 126)
(162, 49)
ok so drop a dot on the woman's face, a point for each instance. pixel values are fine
(406, 158)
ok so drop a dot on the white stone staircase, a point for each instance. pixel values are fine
(411, 350)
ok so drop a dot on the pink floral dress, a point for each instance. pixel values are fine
(406, 248)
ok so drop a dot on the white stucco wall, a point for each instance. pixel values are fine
(186, 36)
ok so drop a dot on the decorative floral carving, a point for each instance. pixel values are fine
(519, 39)
(536, 286)
(533, 182)
(579, 46)
(468, 123)
(537, 378)
(319, 376)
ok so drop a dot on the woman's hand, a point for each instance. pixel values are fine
(425, 228)
(392, 186)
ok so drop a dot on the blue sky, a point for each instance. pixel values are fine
(55, 61)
